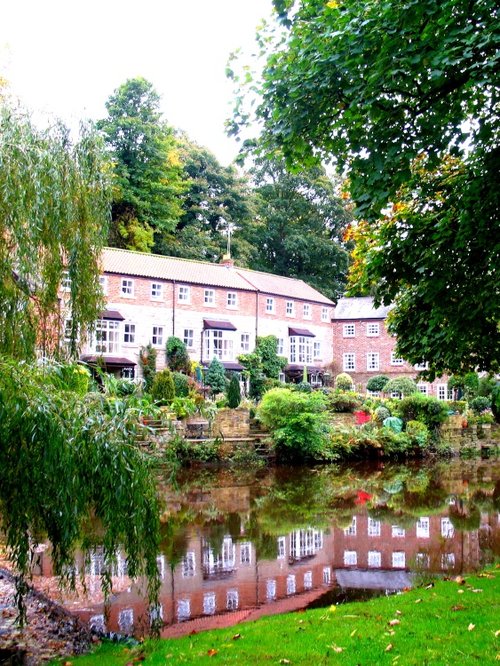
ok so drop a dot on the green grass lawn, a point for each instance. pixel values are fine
(449, 623)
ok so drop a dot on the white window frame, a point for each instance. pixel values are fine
(127, 288)
(270, 305)
(281, 541)
(209, 603)
(374, 527)
(308, 580)
(103, 283)
(325, 313)
(373, 329)
(232, 599)
(327, 575)
(270, 589)
(307, 311)
(422, 560)
(421, 366)
(372, 361)
(398, 532)
(129, 333)
(349, 331)
(291, 584)
(349, 362)
(126, 620)
(106, 337)
(246, 553)
(300, 349)
(188, 338)
(374, 559)
(350, 558)
(65, 281)
(351, 530)
(281, 347)
(442, 391)
(245, 343)
(447, 529)
(209, 297)
(218, 344)
(156, 291)
(157, 336)
(317, 354)
(183, 294)
(290, 309)
(423, 388)
(189, 564)
(423, 527)
(395, 360)
(232, 299)
(183, 609)
(447, 560)
(398, 559)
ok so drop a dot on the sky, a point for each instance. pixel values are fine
(64, 58)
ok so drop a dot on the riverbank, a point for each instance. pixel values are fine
(50, 630)
(442, 622)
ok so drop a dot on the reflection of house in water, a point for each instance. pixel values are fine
(230, 577)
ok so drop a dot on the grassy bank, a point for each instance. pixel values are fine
(447, 623)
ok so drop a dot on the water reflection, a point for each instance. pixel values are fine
(237, 547)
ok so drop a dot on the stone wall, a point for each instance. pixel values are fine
(231, 423)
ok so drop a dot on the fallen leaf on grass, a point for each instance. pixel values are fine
(460, 591)
(393, 623)
(485, 575)
(471, 626)
(428, 587)
(389, 647)
(398, 612)
(285, 661)
(418, 601)
(212, 652)
(497, 633)
(354, 631)
(458, 607)
(236, 636)
(476, 590)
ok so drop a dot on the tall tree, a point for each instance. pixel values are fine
(298, 227)
(63, 456)
(148, 176)
(54, 213)
(216, 199)
(377, 87)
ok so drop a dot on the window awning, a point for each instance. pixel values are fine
(111, 314)
(111, 361)
(218, 325)
(304, 332)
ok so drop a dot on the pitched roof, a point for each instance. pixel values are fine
(359, 308)
(140, 264)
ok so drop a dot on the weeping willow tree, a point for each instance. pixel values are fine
(54, 214)
(70, 469)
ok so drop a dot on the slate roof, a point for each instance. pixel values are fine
(360, 308)
(139, 264)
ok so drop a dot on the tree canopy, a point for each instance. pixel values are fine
(395, 93)
(54, 214)
(148, 177)
(298, 226)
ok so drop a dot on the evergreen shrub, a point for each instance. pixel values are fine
(344, 382)
(344, 401)
(424, 408)
(402, 385)
(234, 392)
(163, 389)
(377, 383)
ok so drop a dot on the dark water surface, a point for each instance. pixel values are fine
(240, 544)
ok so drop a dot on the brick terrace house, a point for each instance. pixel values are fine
(363, 347)
(218, 310)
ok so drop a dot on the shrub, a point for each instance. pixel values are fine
(458, 406)
(480, 404)
(163, 389)
(382, 413)
(402, 385)
(177, 355)
(343, 401)
(305, 387)
(147, 361)
(377, 383)
(344, 382)
(234, 392)
(297, 422)
(183, 407)
(181, 384)
(423, 408)
(393, 423)
(418, 433)
(216, 377)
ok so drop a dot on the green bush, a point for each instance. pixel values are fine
(297, 422)
(424, 408)
(343, 401)
(234, 392)
(147, 361)
(418, 433)
(381, 413)
(183, 407)
(305, 387)
(377, 383)
(215, 377)
(344, 382)
(182, 384)
(163, 389)
(393, 423)
(402, 385)
(480, 404)
(177, 355)
(458, 406)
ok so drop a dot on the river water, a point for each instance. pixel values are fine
(238, 544)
